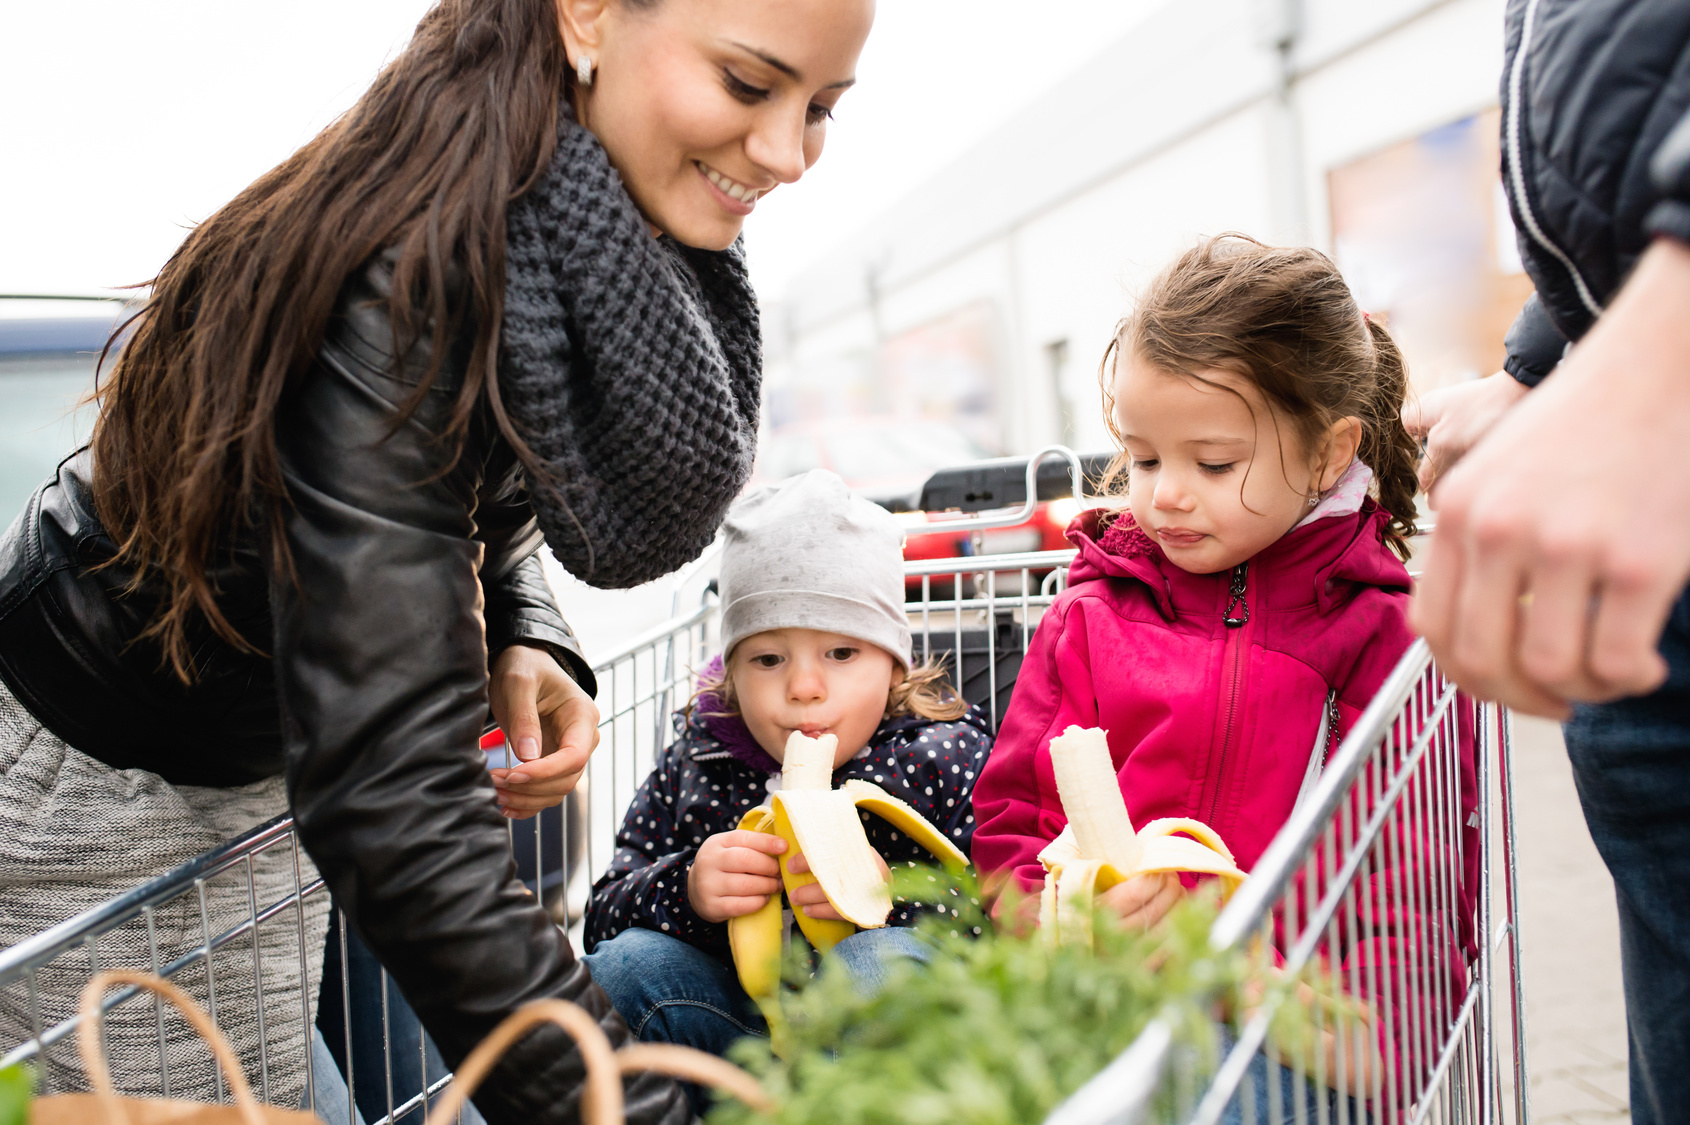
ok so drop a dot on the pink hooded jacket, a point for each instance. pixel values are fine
(1211, 688)
(1206, 719)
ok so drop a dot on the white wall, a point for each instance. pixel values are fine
(1178, 130)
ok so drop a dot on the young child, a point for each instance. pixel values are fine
(1254, 585)
(814, 639)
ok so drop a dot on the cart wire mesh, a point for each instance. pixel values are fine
(1383, 889)
(1380, 833)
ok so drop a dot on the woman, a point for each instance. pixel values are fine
(502, 297)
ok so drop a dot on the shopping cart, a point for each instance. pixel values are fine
(1387, 801)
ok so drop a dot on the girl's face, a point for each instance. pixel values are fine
(705, 106)
(1214, 479)
(804, 680)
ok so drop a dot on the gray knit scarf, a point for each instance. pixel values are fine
(631, 365)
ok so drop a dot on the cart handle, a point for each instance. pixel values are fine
(1009, 517)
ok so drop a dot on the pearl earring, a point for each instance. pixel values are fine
(584, 71)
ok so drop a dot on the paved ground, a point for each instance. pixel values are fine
(1569, 932)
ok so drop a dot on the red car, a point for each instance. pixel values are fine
(929, 472)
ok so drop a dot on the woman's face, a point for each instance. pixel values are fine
(705, 106)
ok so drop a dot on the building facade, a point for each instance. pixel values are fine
(984, 299)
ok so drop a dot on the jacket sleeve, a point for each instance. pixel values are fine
(1534, 345)
(1669, 172)
(381, 671)
(1014, 820)
(520, 609)
(646, 883)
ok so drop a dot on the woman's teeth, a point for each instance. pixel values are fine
(729, 187)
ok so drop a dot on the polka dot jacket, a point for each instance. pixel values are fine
(700, 789)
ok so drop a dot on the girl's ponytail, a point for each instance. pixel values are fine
(1386, 445)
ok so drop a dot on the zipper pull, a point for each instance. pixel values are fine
(1237, 609)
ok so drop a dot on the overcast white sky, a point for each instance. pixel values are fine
(126, 123)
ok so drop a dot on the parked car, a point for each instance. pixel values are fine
(928, 467)
(998, 483)
(48, 349)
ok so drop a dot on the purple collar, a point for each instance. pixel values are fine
(730, 730)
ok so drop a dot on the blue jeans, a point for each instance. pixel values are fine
(1256, 1109)
(1631, 761)
(672, 992)
(380, 1041)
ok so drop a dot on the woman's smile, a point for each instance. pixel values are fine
(736, 197)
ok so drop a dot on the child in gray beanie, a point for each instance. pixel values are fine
(814, 639)
(805, 553)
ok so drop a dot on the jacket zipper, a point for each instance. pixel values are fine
(1234, 659)
(1517, 175)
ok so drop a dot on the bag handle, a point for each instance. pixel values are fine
(94, 1059)
(601, 1100)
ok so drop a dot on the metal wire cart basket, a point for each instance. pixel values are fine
(1377, 852)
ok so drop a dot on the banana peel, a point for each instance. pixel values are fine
(822, 823)
(1100, 848)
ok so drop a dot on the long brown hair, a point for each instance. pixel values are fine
(1283, 318)
(454, 128)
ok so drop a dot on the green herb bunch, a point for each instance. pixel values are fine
(16, 1083)
(998, 1029)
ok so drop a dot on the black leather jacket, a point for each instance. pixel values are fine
(410, 575)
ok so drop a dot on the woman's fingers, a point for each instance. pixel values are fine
(513, 693)
(570, 720)
(550, 724)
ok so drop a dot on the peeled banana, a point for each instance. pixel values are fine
(821, 822)
(1100, 847)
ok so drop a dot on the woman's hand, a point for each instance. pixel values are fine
(550, 724)
(1451, 420)
(734, 873)
(810, 898)
(1144, 900)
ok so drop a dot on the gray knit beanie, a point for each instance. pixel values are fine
(806, 554)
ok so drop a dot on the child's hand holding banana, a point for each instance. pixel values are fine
(734, 874)
(811, 899)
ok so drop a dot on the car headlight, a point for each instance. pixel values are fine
(1061, 513)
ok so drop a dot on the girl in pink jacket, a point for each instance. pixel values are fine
(1252, 586)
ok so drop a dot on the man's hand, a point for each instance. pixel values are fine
(1144, 900)
(1563, 537)
(734, 873)
(1451, 420)
(810, 898)
(550, 724)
